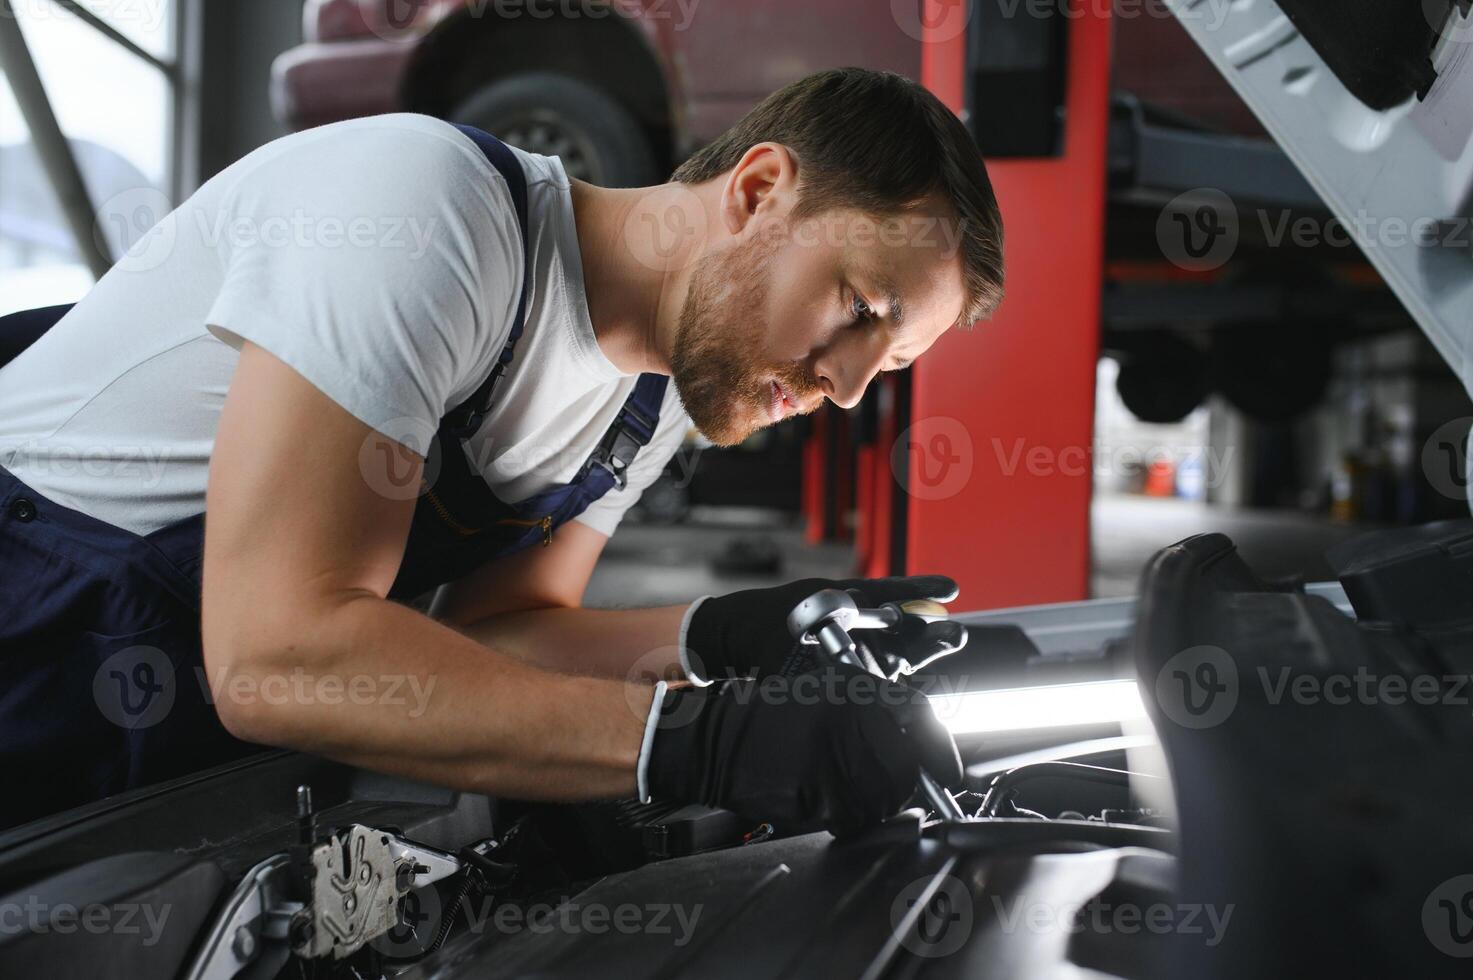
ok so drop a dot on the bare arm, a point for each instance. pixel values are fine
(528, 605)
(300, 552)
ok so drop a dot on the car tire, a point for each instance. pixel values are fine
(1274, 375)
(1162, 379)
(597, 139)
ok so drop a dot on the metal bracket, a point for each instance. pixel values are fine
(359, 876)
(356, 887)
(253, 927)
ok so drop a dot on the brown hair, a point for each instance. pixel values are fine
(881, 143)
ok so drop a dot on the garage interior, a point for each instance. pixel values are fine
(1284, 391)
(1284, 397)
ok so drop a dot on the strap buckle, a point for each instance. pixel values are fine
(623, 442)
(615, 455)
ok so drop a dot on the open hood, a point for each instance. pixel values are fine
(1373, 101)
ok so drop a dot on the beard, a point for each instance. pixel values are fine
(716, 364)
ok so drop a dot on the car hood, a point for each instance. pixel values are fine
(1371, 102)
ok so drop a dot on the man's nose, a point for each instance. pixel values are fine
(844, 377)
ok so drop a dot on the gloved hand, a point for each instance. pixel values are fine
(836, 748)
(745, 634)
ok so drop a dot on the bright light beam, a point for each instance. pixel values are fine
(1052, 706)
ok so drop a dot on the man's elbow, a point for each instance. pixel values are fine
(467, 619)
(250, 668)
(234, 671)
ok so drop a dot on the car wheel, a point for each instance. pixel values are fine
(1162, 379)
(665, 501)
(594, 136)
(1274, 374)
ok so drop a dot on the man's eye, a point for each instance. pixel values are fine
(861, 310)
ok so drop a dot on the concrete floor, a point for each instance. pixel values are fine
(651, 565)
(660, 565)
(1276, 544)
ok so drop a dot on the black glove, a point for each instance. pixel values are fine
(836, 748)
(745, 634)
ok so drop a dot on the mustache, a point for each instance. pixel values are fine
(800, 385)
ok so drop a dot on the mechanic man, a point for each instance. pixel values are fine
(391, 355)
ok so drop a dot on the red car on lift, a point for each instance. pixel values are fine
(622, 90)
(619, 90)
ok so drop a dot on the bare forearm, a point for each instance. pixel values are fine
(625, 644)
(303, 651)
(373, 683)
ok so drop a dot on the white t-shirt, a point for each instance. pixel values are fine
(381, 259)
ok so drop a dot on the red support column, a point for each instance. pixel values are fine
(815, 477)
(843, 459)
(877, 560)
(864, 503)
(1002, 416)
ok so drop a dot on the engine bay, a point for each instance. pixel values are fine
(1317, 738)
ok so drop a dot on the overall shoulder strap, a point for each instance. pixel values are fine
(463, 420)
(632, 430)
(20, 330)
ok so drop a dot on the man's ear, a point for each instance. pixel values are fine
(762, 184)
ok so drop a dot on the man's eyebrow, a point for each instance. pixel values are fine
(893, 307)
(892, 302)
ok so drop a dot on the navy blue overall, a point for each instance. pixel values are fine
(102, 684)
